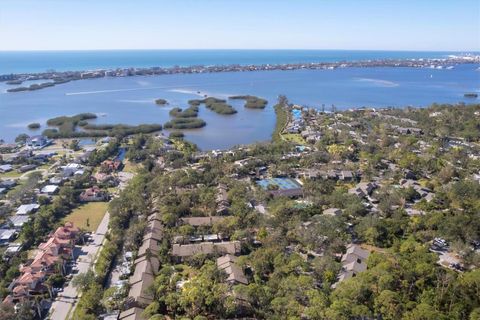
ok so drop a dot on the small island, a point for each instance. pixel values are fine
(471, 95)
(34, 125)
(251, 102)
(161, 102)
(185, 123)
(191, 112)
(66, 127)
(219, 106)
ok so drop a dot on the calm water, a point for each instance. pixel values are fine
(130, 100)
(39, 61)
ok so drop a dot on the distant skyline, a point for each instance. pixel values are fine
(409, 25)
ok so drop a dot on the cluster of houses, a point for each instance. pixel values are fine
(51, 258)
(146, 266)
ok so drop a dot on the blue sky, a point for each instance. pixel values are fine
(244, 24)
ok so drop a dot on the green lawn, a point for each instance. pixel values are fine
(92, 211)
(293, 137)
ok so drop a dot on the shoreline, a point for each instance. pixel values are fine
(56, 78)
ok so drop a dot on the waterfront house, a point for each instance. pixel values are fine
(38, 142)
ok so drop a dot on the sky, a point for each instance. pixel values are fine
(425, 25)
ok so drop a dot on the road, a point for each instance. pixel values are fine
(65, 303)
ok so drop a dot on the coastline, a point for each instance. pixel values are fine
(55, 78)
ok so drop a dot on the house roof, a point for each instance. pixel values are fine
(27, 208)
(134, 313)
(144, 266)
(202, 221)
(234, 272)
(138, 290)
(19, 221)
(6, 234)
(151, 244)
(187, 250)
(357, 251)
(49, 189)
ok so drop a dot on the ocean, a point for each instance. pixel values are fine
(130, 100)
(40, 61)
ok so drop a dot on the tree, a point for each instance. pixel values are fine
(388, 305)
(22, 138)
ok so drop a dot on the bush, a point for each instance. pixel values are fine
(34, 125)
(176, 135)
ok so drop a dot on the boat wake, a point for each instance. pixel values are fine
(379, 82)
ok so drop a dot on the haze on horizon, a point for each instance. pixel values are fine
(240, 24)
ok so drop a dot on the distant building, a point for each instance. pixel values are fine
(37, 142)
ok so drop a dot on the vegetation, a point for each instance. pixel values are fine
(219, 106)
(191, 112)
(33, 87)
(185, 123)
(281, 114)
(161, 102)
(176, 135)
(252, 102)
(34, 125)
(67, 128)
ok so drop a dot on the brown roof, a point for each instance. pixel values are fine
(234, 272)
(202, 221)
(144, 266)
(187, 250)
(138, 291)
(134, 313)
(151, 244)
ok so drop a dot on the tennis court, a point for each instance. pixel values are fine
(282, 183)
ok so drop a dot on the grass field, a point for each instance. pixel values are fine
(293, 137)
(92, 211)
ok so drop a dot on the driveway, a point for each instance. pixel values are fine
(63, 306)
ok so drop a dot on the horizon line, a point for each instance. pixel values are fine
(235, 49)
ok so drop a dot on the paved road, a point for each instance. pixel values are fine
(66, 303)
